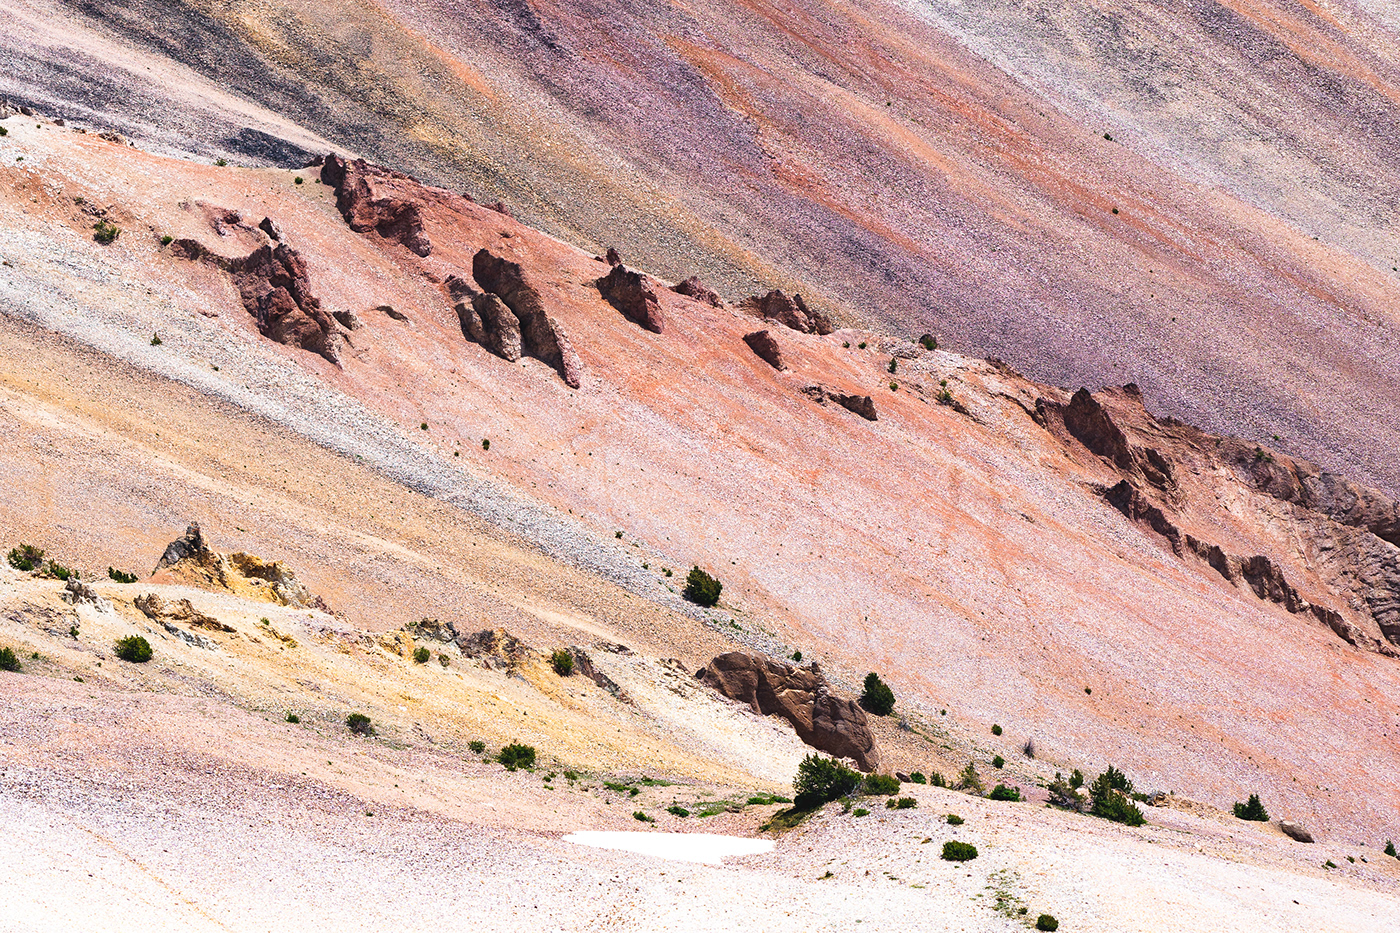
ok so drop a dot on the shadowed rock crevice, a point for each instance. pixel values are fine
(799, 695)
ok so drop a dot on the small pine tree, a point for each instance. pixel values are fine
(877, 697)
(970, 781)
(562, 662)
(1108, 796)
(1390, 849)
(9, 661)
(701, 588)
(1253, 810)
(820, 779)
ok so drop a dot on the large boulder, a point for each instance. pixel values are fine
(1295, 831)
(631, 292)
(766, 348)
(365, 209)
(862, 405)
(799, 695)
(276, 291)
(540, 335)
(695, 289)
(791, 312)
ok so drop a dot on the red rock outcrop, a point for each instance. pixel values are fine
(698, 290)
(540, 335)
(790, 312)
(485, 319)
(276, 290)
(799, 695)
(631, 292)
(862, 405)
(766, 348)
(365, 209)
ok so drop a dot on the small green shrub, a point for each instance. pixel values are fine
(877, 697)
(881, 784)
(477, 746)
(8, 660)
(121, 576)
(936, 779)
(954, 851)
(861, 345)
(1253, 810)
(918, 778)
(955, 820)
(562, 662)
(903, 803)
(820, 779)
(4, 132)
(970, 781)
(996, 730)
(1390, 849)
(571, 775)
(423, 426)
(133, 648)
(26, 557)
(486, 443)
(421, 655)
(155, 340)
(105, 233)
(945, 397)
(701, 588)
(642, 817)
(928, 342)
(1065, 794)
(860, 811)
(1076, 778)
(221, 162)
(515, 756)
(796, 656)
(167, 240)
(998, 762)
(1329, 864)
(444, 660)
(359, 724)
(293, 718)
(1002, 792)
(676, 809)
(299, 180)
(1047, 923)
(893, 365)
(1109, 798)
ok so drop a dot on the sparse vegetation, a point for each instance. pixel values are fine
(955, 820)
(26, 557)
(477, 746)
(1002, 792)
(969, 781)
(121, 576)
(359, 724)
(1047, 923)
(676, 809)
(820, 779)
(881, 784)
(298, 180)
(954, 851)
(134, 649)
(4, 132)
(928, 342)
(515, 756)
(1109, 798)
(903, 803)
(486, 443)
(893, 365)
(877, 697)
(642, 817)
(155, 340)
(996, 730)
(860, 811)
(918, 778)
(797, 656)
(861, 345)
(701, 588)
(167, 240)
(421, 655)
(221, 162)
(1253, 810)
(9, 661)
(1065, 794)
(57, 571)
(293, 718)
(1390, 849)
(105, 233)
(562, 662)
(936, 779)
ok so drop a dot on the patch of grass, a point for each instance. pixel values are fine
(359, 724)
(954, 851)
(105, 233)
(477, 746)
(1002, 792)
(121, 576)
(1253, 810)
(658, 782)
(26, 557)
(676, 809)
(881, 784)
(701, 588)
(515, 756)
(9, 661)
(562, 662)
(134, 649)
(876, 697)
(642, 817)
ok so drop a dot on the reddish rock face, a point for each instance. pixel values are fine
(275, 289)
(694, 288)
(799, 695)
(791, 312)
(540, 335)
(364, 209)
(862, 405)
(766, 348)
(631, 292)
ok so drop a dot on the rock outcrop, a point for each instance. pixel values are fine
(766, 348)
(1295, 831)
(790, 312)
(179, 610)
(77, 593)
(366, 209)
(862, 405)
(485, 319)
(188, 559)
(799, 695)
(277, 292)
(631, 292)
(699, 291)
(541, 336)
(1091, 424)
(497, 649)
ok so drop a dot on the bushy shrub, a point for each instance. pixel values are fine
(167, 240)
(936, 779)
(955, 820)
(954, 851)
(120, 576)
(421, 655)
(998, 762)
(1390, 849)
(642, 817)
(820, 779)
(1109, 798)
(105, 233)
(877, 697)
(359, 724)
(918, 778)
(1253, 810)
(133, 648)
(1047, 923)
(1076, 779)
(903, 803)
(797, 656)
(677, 810)
(8, 660)
(293, 718)
(893, 365)
(928, 342)
(881, 784)
(477, 746)
(562, 662)
(996, 730)
(701, 588)
(970, 781)
(1002, 792)
(56, 571)
(1065, 794)
(26, 557)
(444, 660)
(515, 756)
(486, 443)
(860, 811)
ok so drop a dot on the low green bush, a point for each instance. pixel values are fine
(1253, 810)
(928, 342)
(293, 718)
(359, 724)
(477, 746)
(903, 803)
(9, 661)
(893, 365)
(936, 779)
(133, 648)
(955, 820)
(120, 576)
(167, 240)
(1047, 923)
(998, 762)
(642, 817)
(562, 662)
(860, 811)
(820, 779)
(970, 781)
(996, 730)
(1390, 849)
(677, 810)
(954, 851)
(26, 557)
(877, 697)
(1002, 792)
(105, 233)
(515, 756)
(421, 655)
(918, 778)
(797, 656)
(881, 784)
(1109, 798)
(701, 588)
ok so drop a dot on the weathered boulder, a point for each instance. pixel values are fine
(432, 629)
(189, 546)
(631, 292)
(1295, 831)
(276, 291)
(791, 312)
(497, 649)
(862, 405)
(270, 227)
(77, 593)
(540, 335)
(188, 559)
(347, 319)
(766, 348)
(365, 209)
(613, 257)
(799, 695)
(179, 610)
(699, 291)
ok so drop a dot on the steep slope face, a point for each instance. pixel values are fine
(929, 168)
(952, 543)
